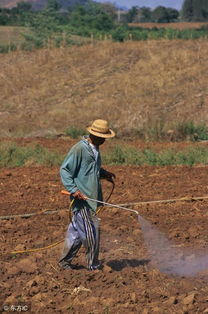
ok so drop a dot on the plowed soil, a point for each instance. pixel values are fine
(128, 282)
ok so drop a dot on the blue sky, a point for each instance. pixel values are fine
(177, 4)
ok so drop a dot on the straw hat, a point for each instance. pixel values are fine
(100, 128)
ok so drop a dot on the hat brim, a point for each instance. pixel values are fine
(110, 134)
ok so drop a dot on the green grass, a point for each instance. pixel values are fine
(23, 38)
(12, 155)
(130, 156)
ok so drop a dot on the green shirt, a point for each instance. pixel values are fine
(82, 171)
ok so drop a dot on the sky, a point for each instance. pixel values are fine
(177, 4)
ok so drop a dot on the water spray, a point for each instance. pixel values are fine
(166, 256)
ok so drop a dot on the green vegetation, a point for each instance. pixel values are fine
(90, 19)
(195, 10)
(192, 11)
(158, 15)
(74, 132)
(46, 33)
(130, 156)
(12, 155)
(192, 132)
(138, 33)
(186, 131)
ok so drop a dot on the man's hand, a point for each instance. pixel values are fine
(79, 195)
(109, 176)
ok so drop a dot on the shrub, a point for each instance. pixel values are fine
(191, 131)
(74, 132)
(140, 35)
(12, 155)
(120, 34)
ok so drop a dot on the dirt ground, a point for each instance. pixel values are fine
(179, 25)
(128, 282)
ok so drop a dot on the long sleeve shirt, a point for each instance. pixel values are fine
(81, 170)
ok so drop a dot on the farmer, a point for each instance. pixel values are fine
(80, 174)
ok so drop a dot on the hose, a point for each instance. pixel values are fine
(45, 247)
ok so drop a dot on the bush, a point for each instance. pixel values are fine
(74, 132)
(32, 41)
(120, 34)
(191, 131)
(140, 35)
(12, 155)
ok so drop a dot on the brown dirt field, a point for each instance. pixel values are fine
(179, 25)
(128, 282)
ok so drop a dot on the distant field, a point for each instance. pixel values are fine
(11, 34)
(181, 25)
(135, 85)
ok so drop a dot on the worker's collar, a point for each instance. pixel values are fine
(86, 138)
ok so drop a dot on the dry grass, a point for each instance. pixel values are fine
(134, 85)
(178, 25)
(11, 34)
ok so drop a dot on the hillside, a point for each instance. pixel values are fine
(134, 85)
(38, 4)
(12, 3)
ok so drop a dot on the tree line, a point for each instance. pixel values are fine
(192, 11)
(57, 25)
(66, 11)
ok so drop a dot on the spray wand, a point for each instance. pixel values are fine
(105, 203)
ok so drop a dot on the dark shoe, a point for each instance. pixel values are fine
(95, 267)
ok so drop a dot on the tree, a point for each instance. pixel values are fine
(24, 6)
(144, 15)
(91, 16)
(194, 10)
(164, 15)
(172, 15)
(160, 15)
(187, 10)
(21, 14)
(70, 4)
(53, 5)
(109, 9)
(200, 10)
(131, 15)
(4, 16)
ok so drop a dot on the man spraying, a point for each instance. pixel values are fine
(80, 174)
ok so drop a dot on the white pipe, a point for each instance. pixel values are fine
(113, 205)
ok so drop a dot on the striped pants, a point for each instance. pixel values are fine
(83, 230)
